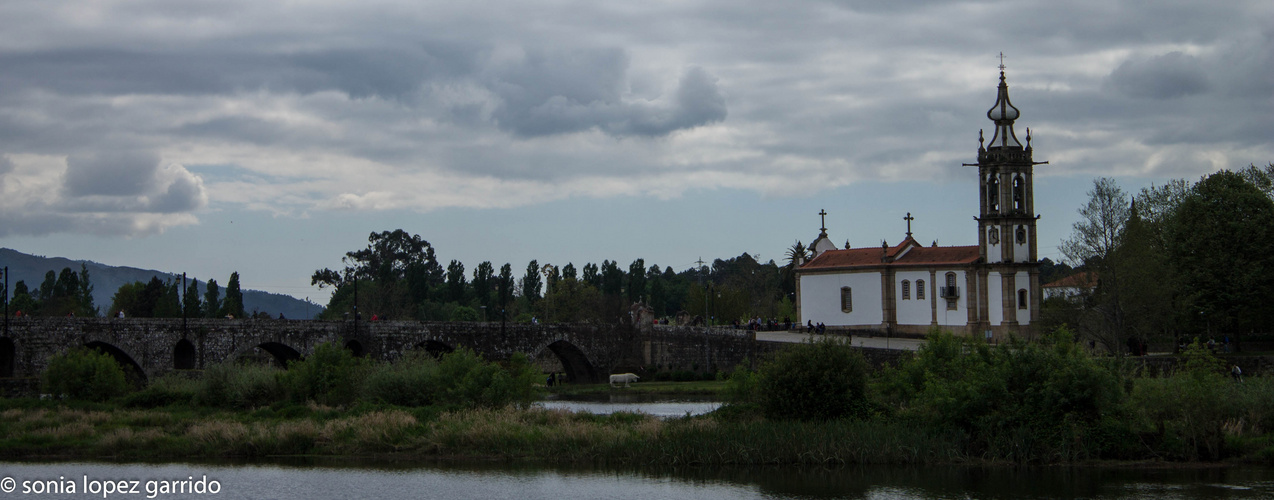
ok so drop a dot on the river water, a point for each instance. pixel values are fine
(339, 479)
(654, 405)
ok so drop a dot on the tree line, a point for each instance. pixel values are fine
(399, 276)
(71, 294)
(1178, 260)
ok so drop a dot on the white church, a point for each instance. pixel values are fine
(990, 289)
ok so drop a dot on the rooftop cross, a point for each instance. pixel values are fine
(908, 218)
(1001, 61)
(822, 215)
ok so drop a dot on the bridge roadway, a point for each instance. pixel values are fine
(587, 352)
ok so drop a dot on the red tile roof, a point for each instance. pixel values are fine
(905, 254)
(1077, 280)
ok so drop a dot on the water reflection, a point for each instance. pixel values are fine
(333, 478)
(658, 406)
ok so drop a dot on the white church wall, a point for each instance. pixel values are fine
(960, 315)
(913, 311)
(994, 293)
(1022, 251)
(993, 251)
(821, 294)
(1024, 282)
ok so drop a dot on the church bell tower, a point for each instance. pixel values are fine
(1007, 221)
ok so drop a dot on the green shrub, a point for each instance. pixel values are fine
(464, 313)
(821, 380)
(165, 391)
(230, 385)
(86, 374)
(332, 375)
(409, 381)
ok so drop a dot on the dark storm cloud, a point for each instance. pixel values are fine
(1166, 76)
(111, 174)
(568, 91)
(125, 182)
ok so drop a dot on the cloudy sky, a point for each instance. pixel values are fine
(210, 136)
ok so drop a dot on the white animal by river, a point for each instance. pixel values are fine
(623, 377)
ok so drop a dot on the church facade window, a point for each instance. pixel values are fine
(1022, 296)
(1019, 197)
(951, 292)
(846, 299)
(1021, 235)
(920, 289)
(906, 290)
(993, 193)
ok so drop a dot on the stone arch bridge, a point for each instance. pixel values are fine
(149, 348)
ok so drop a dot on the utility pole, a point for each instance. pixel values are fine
(184, 292)
(6, 301)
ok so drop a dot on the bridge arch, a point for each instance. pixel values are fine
(355, 347)
(435, 348)
(574, 362)
(132, 370)
(7, 355)
(184, 356)
(280, 352)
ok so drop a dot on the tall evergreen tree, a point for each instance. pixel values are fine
(233, 304)
(504, 285)
(483, 277)
(637, 280)
(84, 294)
(455, 282)
(531, 283)
(190, 305)
(212, 300)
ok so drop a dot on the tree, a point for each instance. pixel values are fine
(128, 298)
(1221, 244)
(233, 305)
(455, 282)
(568, 271)
(190, 301)
(22, 299)
(401, 270)
(637, 280)
(531, 283)
(504, 286)
(1092, 245)
(483, 282)
(212, 300)
(47, 287)
(84, 294)
(591, 275)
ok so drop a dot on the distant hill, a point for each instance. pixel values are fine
(107, 279)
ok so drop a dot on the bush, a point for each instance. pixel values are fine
(410, 381)
(821, 380)
(332, 375)
(83, 373)
(165, 391)
(464, 313)
(230, 385)
(461, 379)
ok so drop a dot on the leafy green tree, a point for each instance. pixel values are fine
(568, 271)
(1221, 244)
(233, 305)
(212, 300)
(574, 301)
(592, 275)
(1092, 244)
(401, 268)
(455, 282)
(85, 374)
(822, 380)
(22, 300)
(128, 298)
(47, 287)
(169, 305)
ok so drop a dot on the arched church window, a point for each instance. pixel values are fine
(906, 290)
(993, 193)
(846, 299)
(1019, 194)
(1021, 298)
(951, 292)
(920, 289)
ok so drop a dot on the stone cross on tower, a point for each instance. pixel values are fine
(822, 216)
(908, 218)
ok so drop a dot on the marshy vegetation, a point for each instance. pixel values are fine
(957, 400)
